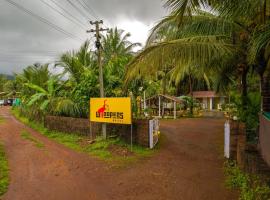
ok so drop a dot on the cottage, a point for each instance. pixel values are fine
(164, 105)
(209, 100)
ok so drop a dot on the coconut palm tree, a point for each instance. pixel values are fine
(212, 38)
(76, 63)
(117, 52)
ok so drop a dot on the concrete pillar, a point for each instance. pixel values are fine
(211, 103)
(205, 103)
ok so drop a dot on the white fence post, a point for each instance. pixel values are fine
(227, 139)
(153, 132)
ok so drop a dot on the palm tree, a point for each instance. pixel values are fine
(49, 101)
(76, 63)
(117, 52)
(190, 36)
(3, 80)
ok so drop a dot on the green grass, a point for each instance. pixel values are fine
(27, 136)
(250, 186)
(100, 148)
(4, 179)
(2, 120)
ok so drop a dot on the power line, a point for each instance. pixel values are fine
(59, 29)
(86, 9)
(70, 19)
(78, 9)
(92, 10)
(65, 10)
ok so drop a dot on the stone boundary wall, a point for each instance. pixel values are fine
(83, 126)
(247, 156)
(264, 138)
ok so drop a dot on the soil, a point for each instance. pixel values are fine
(187, 166)
(117, 150)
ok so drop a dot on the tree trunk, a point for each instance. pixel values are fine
(244, 86)
(164, 86)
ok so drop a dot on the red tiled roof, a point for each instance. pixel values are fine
(204, 94)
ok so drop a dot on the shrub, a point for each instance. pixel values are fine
(251, 187)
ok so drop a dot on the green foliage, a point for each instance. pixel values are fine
(4, 170)
(27, 136)
(3, 80)
(250, 186)
(248, 113)
(86, 88)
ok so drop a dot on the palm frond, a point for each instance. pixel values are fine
(34, 98)
(199, 50)
(35, 87)
(260, 43)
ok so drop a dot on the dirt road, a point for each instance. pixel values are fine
(188, 166)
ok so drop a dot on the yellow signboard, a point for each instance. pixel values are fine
(110, 110)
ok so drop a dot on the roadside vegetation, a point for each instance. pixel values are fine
(27, 136)
(2, 120)
(250, 186)
(113, 150)
(4, 170)
(201, 45)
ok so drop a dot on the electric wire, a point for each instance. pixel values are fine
(78, 9)
(70, 19)
(86, 9)
(92, 10)
(95, 14)
(59, 29)
(69, 13)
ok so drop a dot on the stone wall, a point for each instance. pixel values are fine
(247, 156)
(140, 128)
(264, 138)
(68, 125)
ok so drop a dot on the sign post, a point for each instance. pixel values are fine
(112, 110)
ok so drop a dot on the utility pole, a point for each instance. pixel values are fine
(97, 31)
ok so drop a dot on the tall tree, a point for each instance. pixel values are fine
(191, 36)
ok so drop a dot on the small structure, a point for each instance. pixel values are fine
(161, 105)
(209, 99)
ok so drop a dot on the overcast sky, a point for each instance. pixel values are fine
(25, 40)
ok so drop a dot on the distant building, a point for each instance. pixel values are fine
(209, 99)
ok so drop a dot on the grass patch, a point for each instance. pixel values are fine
(4, 180)
(116, 150)
(2, 120)
(113, 150)
(27, 136)
(250, 186)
